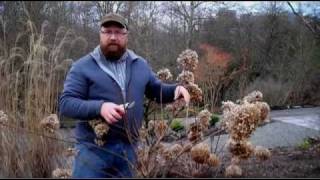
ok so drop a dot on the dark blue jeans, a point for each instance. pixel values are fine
(113, 160)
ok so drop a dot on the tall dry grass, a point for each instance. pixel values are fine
(31, 80)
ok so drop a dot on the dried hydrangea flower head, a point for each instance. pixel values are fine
(195, 132)
(101, 129)
(164, 74)
(186, 77)
(62, 173)
(262, 153)
(204, 117)
(242, 121)
(264, 111)
(160, 128)
(195, 92)
(188, 60)
(3, 118)
(200, 153)
(213, 160)
(242, 149)
(174, 150)
(176, 106)
(50, 124)
(94, 122)
(187, 147)
(254, 96)
(233, 171)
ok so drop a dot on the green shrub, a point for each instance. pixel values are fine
(214, 119)
(305, 144)
(176, 125)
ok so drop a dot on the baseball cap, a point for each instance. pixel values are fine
(113, 17)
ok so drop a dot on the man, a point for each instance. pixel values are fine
(98, 85)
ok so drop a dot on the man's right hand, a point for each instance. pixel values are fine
(111, 112)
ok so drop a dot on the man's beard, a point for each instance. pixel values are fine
(110, 53)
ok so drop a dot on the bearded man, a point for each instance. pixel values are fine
(98, 86)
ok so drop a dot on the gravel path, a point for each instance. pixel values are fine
(287, 128)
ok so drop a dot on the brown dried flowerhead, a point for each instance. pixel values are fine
(195, 136)
(94, 122)
(187, 147)
(176, 149)
(101, 129)
(160, 128)
(164, 74)
(262, 153)
(227, 106)
(242, 149)
(264, 111)
(62, 173)
(186, 77)
(200, 153)
(195, 92)
(204, 117)
(188, 60)
(50, 124)
(242, 121)
(254, 96)
(3, 118)
(176, 106)
(213, 160)
(233, 171)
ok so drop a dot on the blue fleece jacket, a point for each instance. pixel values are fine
(87, 86)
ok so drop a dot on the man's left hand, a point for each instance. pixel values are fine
(181, 91)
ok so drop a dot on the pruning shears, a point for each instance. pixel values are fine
(129, 105)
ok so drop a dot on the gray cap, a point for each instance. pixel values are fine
(113, 17)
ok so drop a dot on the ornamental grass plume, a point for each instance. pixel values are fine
(186, 77)
(164, 74)
(200, 153)
(50, 124)
(188, 60)
(262, 153)
(204, 117)
(62, 173)
(3, 118)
